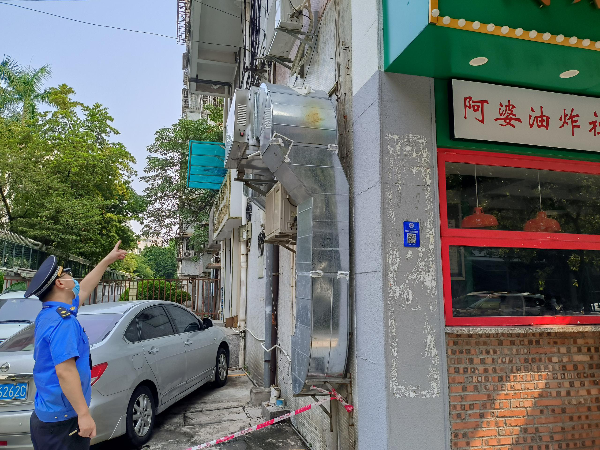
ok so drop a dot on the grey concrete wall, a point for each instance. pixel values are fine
(370, 382)
(401, 372)
(255, 306)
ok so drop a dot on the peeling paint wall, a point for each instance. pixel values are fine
(412, 276)
(400, 329)
(411, 273)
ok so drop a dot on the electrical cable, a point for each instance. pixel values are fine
(255, 16)
(215, 8)
(88, 23)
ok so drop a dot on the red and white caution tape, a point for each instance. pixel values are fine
(336, 396)
(268, 423)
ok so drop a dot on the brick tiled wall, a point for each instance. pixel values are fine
(524, 391)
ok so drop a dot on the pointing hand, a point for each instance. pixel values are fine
(116, 254)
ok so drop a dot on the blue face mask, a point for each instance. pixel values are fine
(76, 287)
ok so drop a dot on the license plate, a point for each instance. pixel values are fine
(13, 391)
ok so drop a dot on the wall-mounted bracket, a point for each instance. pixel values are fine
(252, 184)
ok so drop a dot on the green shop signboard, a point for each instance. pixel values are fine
(543, 44)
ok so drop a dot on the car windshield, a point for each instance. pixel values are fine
(19, 310)
(96, 326)
(23, 341)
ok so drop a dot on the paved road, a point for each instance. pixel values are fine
(211, 413)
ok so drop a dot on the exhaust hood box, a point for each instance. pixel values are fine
(236, 129)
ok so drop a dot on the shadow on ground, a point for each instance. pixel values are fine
(208, 414)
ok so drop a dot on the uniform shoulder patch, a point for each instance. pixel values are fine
(62, 312)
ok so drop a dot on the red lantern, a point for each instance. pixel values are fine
(542, 224)
(479, 220)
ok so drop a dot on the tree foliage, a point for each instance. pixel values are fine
(162, 260)
(174, 208)
(63, 181)
(159, 290)
(22, 89)
(135, 265)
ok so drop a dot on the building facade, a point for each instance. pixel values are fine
(465, 133)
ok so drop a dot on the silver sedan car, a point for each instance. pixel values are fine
(146, 355)
(16, 312)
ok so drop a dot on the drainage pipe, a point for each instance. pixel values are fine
(243, 289)
(271, 299)
(242, 313)
(274, 308)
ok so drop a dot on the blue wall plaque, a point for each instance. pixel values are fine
(412, 236)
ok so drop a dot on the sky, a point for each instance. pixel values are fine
(137, 77)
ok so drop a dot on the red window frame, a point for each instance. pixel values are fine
(514, 239)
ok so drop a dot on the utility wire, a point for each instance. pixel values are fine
(217, 9)
(88, 23)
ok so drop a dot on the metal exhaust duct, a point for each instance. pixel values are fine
(298, 143)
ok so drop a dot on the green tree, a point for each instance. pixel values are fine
(135, 265)
(63, 181)
(162, 260)
(22, 88)
(173, 208)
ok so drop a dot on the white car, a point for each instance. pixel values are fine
(16, 312)
(146, 355)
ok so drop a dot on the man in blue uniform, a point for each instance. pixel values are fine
(62, 371)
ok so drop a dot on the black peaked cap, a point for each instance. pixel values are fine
(44, 278)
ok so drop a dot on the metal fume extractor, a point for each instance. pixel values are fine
(292, 137)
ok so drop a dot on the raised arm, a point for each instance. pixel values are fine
(89, 283)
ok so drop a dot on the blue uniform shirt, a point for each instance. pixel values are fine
(58, 339)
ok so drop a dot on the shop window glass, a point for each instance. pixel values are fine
(516, 196)
(520, 239)
(525, 282)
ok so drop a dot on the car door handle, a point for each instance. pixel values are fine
(153, 351)
(188, 342)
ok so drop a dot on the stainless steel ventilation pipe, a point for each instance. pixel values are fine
(298, 143)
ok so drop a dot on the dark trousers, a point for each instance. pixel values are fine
(55, 435)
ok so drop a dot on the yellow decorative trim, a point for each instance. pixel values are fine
(433, 4)
(504, 31)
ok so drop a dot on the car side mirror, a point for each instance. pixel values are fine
(192, 327)
(207, 322)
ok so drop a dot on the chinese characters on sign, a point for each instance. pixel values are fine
(477, 106)
(507, 115)
(540, 121)
(525, 116)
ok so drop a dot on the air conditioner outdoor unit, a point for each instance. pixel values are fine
(236, 129)
(283, 15)
(189, 254)
(280, 221)
(246, 232)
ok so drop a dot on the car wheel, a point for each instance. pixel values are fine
(140, 416)
(221, 368)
